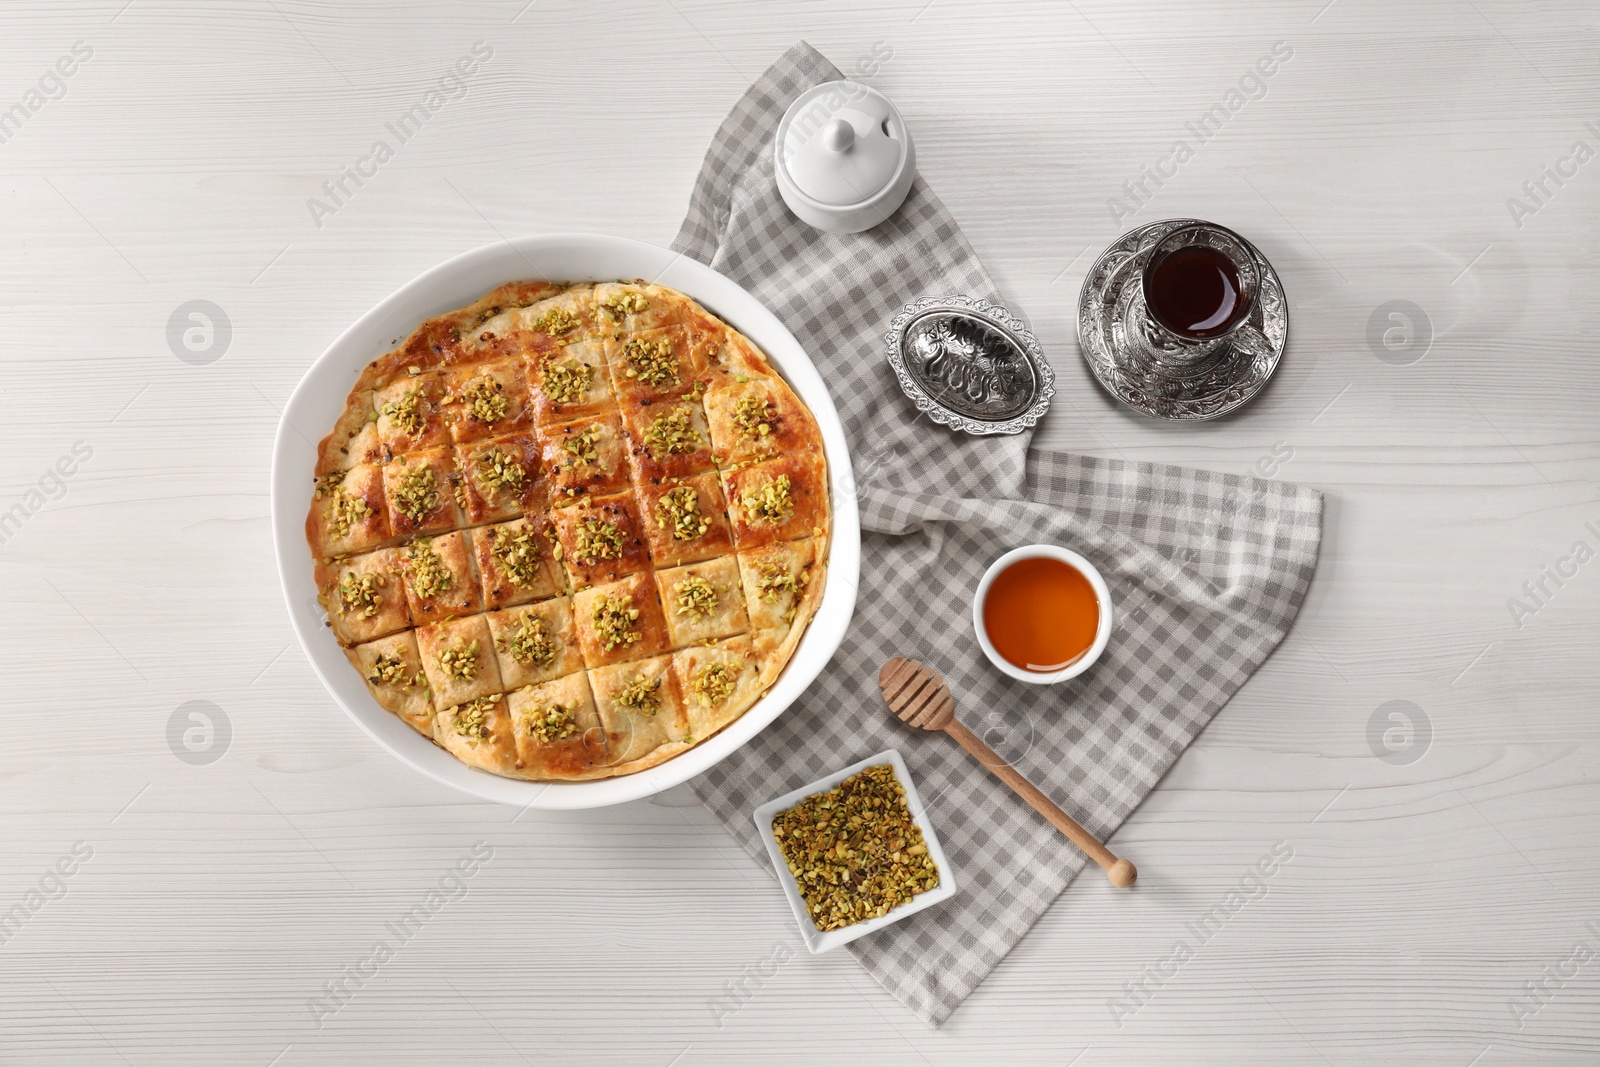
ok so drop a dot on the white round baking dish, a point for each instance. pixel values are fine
(320, 396)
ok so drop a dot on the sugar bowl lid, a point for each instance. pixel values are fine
(843, 157)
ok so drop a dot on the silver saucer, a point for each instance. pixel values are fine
(1111, 317)
(970, 365)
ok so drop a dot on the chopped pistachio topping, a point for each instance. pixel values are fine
(498, 471)
(328, 484)
(679, 511)
(855, 851)
(461, 662)
(556, 322)
(418, 494)
(673, 434)
(390, 669)
(624, 304)
(771, 502)
(697, 598)
(642, 694)
(582, 447)
(359, 593)
(530, 644)
(472, 718)
(614, 618)
(754, 416)
(774, 582)
(567, 381)
(429, 575)
(486, 399)
(345, 511)
(595, 539)
(652, 362)
(547, 723)
(518, 555)
(715, 682)
(405, 411)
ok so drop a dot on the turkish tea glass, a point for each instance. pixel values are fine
(1172, 345)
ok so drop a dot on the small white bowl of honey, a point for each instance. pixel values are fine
(1042, 613)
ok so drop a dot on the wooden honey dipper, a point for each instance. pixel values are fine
(918, 697)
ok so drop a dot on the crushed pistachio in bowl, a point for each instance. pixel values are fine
(855, 851)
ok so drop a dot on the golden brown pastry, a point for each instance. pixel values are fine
(392, 667)
(570, 531)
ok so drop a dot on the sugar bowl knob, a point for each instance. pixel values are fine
(839, 135)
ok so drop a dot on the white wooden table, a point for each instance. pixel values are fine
(211, 904)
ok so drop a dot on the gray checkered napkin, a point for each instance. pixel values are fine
(1206, 573)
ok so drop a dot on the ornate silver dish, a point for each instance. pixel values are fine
(970, 365)
(1164, 382)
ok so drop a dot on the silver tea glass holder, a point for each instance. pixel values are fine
(1157, 372)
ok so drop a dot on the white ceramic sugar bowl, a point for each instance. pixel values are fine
(843, 157)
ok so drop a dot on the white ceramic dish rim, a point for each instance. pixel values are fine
(819, 941)
(1102, 633)
(317, 400)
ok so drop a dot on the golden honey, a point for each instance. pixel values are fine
(1041, 614)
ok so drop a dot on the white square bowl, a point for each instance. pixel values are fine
(818, 940)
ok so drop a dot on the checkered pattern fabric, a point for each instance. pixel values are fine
(1206, 573)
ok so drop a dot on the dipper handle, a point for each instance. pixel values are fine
(1119, 872)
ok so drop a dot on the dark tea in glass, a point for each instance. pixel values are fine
(1199, 284)
(1194, 292)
